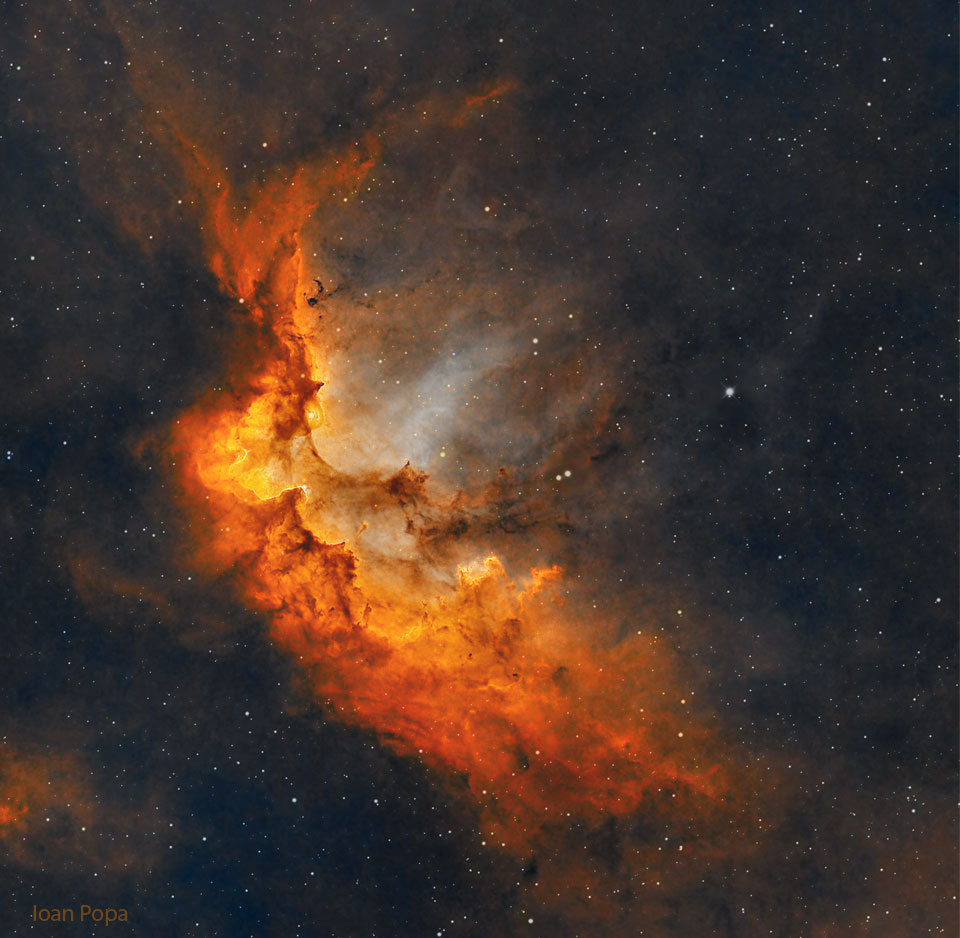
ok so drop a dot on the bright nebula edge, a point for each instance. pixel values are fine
(479, 471)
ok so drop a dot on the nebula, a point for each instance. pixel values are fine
(54, 818)
(376, 580)
(477, 471)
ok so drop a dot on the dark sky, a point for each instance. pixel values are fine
(686, 273)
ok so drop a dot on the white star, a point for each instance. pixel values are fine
(729, 392)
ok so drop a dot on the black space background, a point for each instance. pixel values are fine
(810, 520)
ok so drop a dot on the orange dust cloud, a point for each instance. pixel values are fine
(31, 787)
(474, 102)
(51, 815)
(402, 624)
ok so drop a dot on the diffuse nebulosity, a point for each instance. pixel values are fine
(433, 452)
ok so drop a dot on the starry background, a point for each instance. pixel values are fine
(755, 206)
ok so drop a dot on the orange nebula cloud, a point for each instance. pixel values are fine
(50, 815)
(11, 812)
(33, 785)
(473, 102)
(372, 582)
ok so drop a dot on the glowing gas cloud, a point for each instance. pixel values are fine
(371, 580)
(53, 815)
